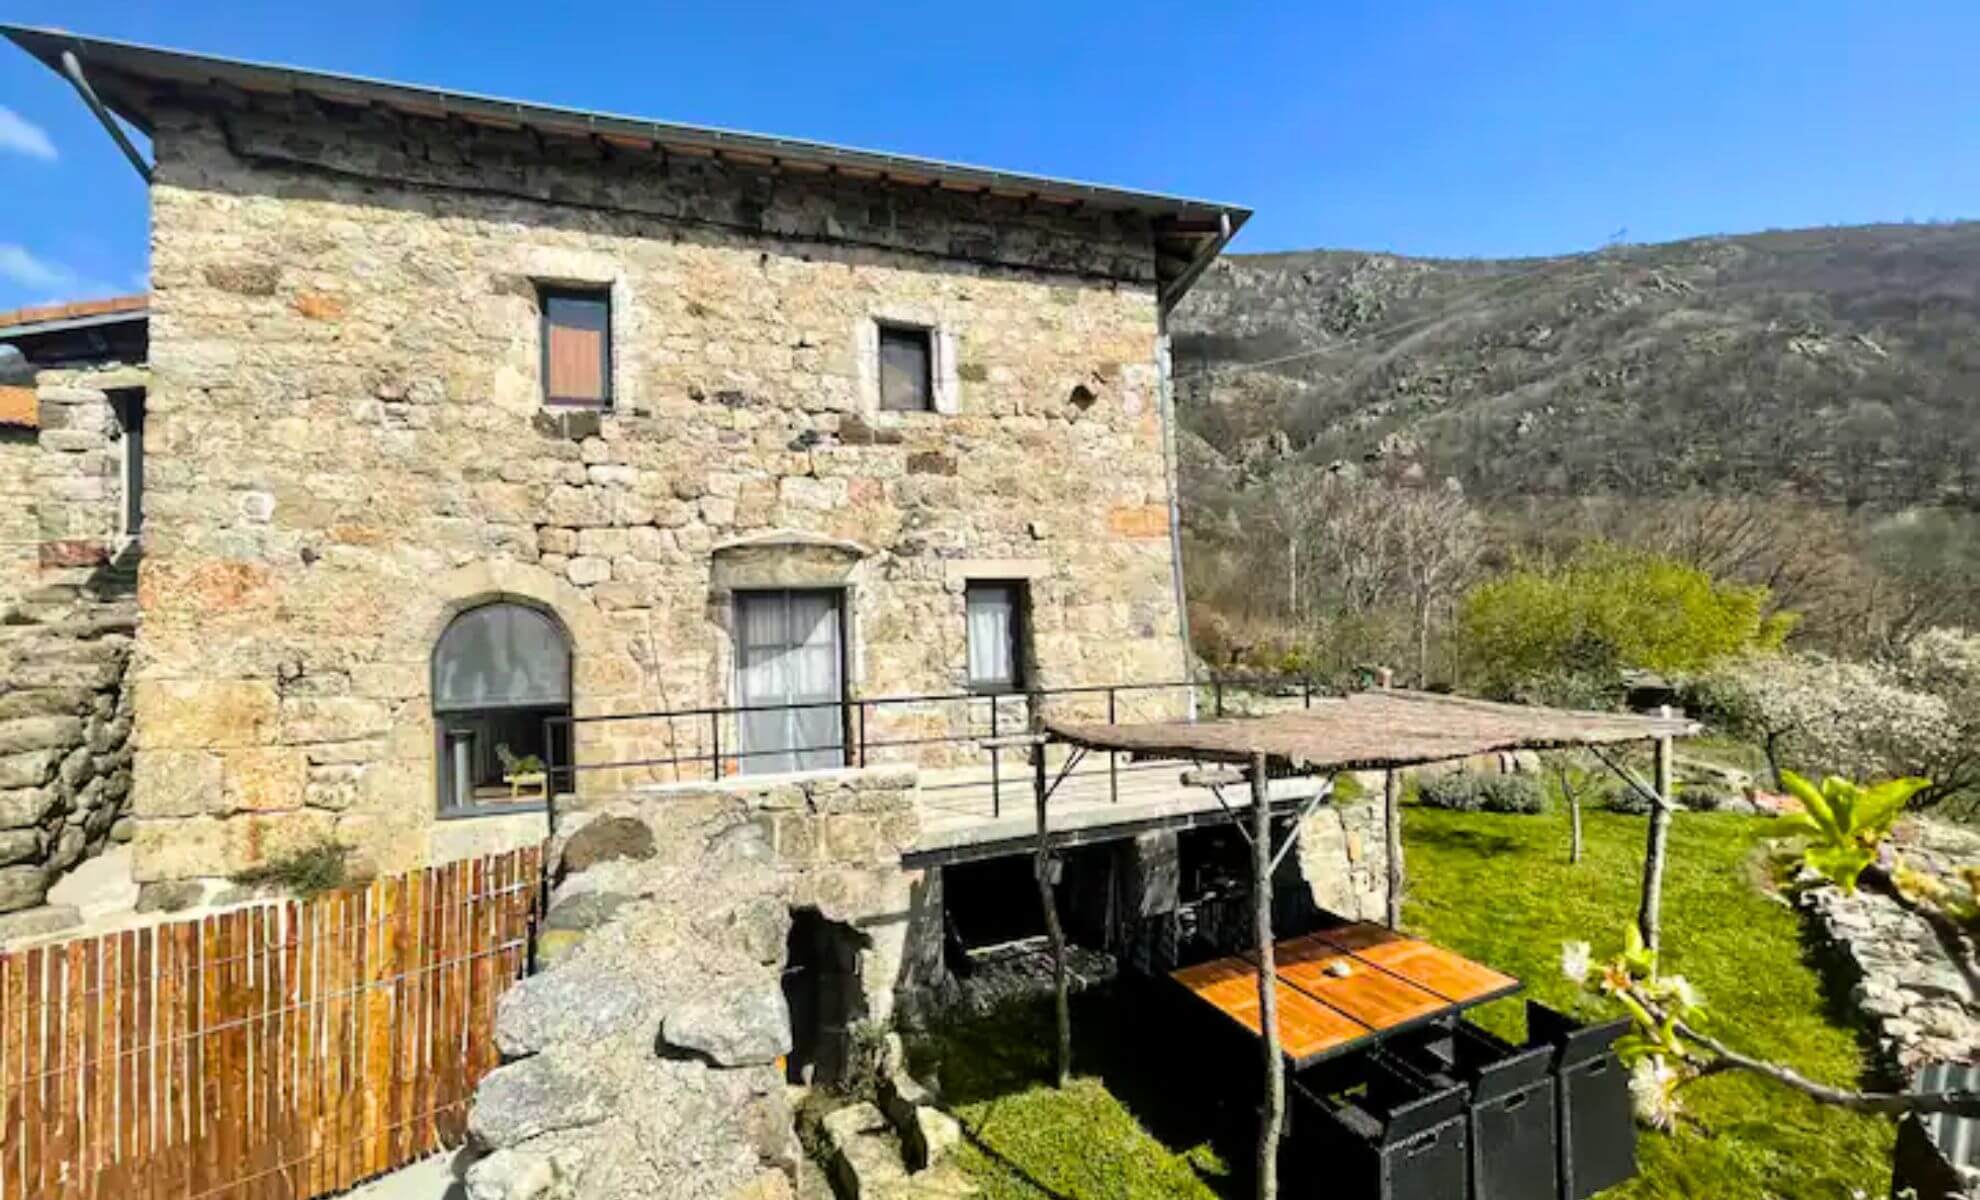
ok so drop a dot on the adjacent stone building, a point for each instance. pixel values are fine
(465, 418)
(70, 441)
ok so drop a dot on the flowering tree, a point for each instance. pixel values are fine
(1812, 708)
(1846, 827)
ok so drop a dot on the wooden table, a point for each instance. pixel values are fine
(1392, 982)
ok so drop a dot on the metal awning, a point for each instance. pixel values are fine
(1368, 731)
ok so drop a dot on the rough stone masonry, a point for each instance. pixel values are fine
(347, 447)
(645, 1059)
(67, 623)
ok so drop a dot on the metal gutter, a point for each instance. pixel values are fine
(72, 69)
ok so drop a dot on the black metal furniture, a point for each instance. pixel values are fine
(1512, 1109)
(1393, 1135)
(1597, 1130)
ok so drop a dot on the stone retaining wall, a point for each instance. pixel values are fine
(65, 719)
(1901, 982)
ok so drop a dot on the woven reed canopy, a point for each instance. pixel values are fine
(1368, 731)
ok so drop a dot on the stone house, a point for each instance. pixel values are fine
(70, 445)
(469, 424)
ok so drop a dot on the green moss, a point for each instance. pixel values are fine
(970, 372)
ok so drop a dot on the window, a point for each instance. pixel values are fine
(577, 347)
(790, 676)
(907, 369)
(995, 627)
(500, 673)
(129, 406)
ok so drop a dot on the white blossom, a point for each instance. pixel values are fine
(1653, 1085)
(1687, 995)
(1576, 959)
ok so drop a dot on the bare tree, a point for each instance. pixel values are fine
(1437, 543)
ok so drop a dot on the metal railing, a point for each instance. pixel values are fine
(712, 742)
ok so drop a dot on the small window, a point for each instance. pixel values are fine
(577, 347)
(129, 407)
(907, 369)
(996, 636)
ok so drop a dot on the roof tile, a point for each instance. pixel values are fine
(79, 308)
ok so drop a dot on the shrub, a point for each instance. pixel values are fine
(1469, 791)
(1604, 609)
(308, 871)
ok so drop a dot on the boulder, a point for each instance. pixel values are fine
(603, 839)
(524, 1099)
(735, 1027)
(22, 887)
(578, 1004)
(515, 1175)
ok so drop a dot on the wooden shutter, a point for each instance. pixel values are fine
(577, 355)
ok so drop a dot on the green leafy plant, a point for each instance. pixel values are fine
(1845, 823)
(527, 764)
(306, 872)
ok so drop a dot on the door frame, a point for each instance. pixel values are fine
(841, 597)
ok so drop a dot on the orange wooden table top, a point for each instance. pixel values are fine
(1343, 987)
(1306, 1027)
(1432, 968)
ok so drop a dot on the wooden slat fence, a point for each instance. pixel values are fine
(282, 1051)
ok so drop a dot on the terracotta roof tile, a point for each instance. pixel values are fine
(79, 308)
(19, 406)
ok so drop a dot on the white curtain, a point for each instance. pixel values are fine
(992, 648)
(788, 654)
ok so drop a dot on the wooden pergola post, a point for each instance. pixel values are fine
(1392, 840)
(1649, 915)
(1041, 868)
(1268, 992)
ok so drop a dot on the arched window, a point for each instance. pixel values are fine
(500, 671)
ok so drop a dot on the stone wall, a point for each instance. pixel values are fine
(67, 625)
(645, 1057)
(65, 720)
(19, 538)
(1901, 982)
(347, 447)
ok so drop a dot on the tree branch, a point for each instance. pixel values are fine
(1960, 1103)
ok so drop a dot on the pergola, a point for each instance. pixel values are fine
(1383, 730)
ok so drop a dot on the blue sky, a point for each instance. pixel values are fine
(1446, 129)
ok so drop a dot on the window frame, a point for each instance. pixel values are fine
(1020, 633)
(128, 406)
(932, 376)
(599, 293)
(453, 721)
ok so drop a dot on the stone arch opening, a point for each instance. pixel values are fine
(822, 990)
(501, 692)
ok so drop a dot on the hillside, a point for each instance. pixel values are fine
(1843, 364)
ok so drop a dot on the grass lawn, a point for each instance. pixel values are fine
(1499, 889)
